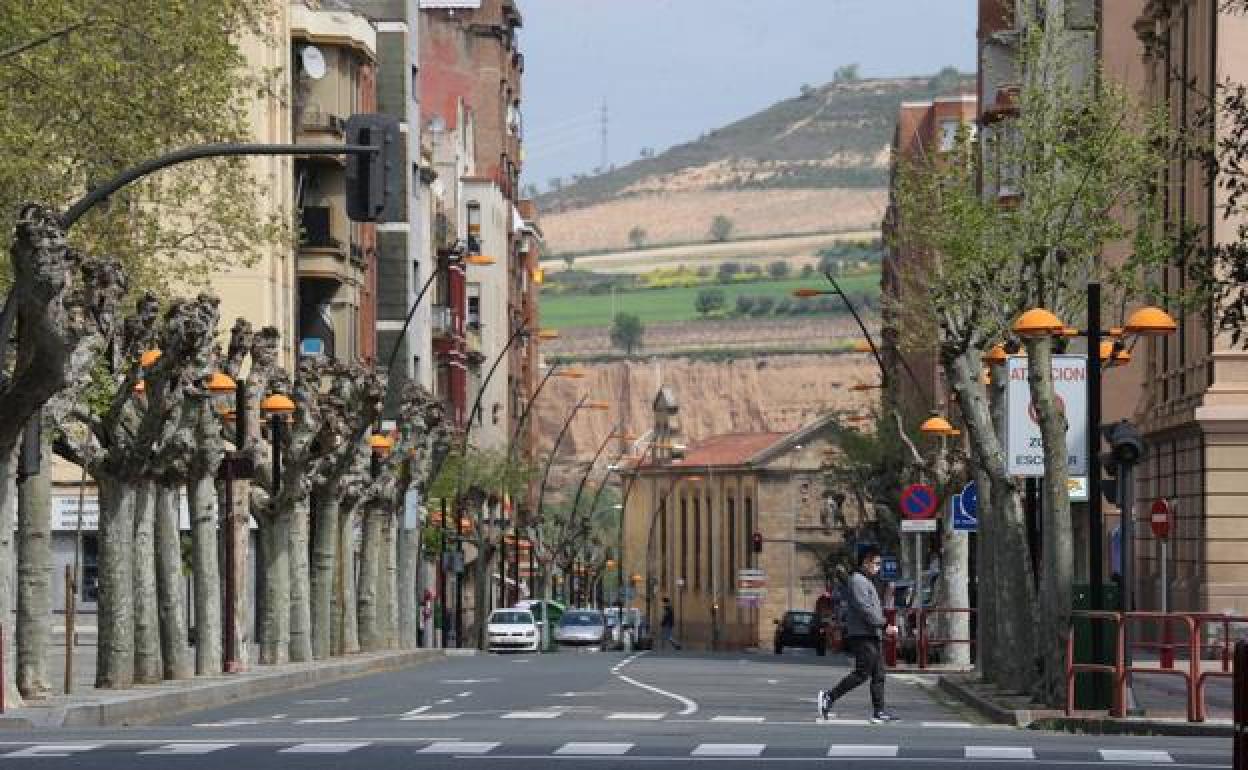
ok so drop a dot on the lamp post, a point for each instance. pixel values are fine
(234, 465)
(1146, 321)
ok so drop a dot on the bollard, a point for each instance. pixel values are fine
(1240, 696)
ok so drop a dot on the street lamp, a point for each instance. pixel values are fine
(234, 465)
(1145, 322)
(278, 408)
(936, 425)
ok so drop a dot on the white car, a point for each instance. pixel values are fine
(511, 629)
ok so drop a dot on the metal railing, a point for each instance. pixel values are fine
(1240, 761)
(924, 642)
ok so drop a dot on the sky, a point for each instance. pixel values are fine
(669, 70)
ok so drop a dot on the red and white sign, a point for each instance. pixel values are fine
(1159, 516)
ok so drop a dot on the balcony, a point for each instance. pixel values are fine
(320, 252)
(442, 321)
(316, 125)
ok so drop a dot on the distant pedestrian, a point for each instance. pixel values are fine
(863, 624)
(668, 622)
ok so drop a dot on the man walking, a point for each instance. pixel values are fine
(668, 621)
(863, 623)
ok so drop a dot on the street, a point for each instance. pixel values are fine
(604, 709)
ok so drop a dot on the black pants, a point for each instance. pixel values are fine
(868, 664)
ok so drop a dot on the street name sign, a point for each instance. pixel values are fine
(918, 525)
(1024, 448)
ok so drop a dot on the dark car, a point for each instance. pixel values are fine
(800, 628)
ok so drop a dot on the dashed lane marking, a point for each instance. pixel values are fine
(531, 715)
(429, 717)
(182, 749)
(464, 694)
(326, 720)
(594, 749)
(1000, 752)
(728, 750)
(639, 717)
(1136, 755)
(458, 747)
(322, 748)
(863, 751)
(51, 750)
(948, 725)
(743, 720)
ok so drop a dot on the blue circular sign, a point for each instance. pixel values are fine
(918, 501)
(970, 498)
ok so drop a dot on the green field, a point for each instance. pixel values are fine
(677, 303)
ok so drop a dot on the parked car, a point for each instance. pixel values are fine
(581, 628)
(512, 629)
(541, 608)
(623, 635)
(800, 628)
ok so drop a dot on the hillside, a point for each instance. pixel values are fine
(834, 136)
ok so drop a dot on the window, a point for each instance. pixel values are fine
(749, 532)
(697, 542)
(732, 542)
(684, 540)
(948, 134)
(474, 306)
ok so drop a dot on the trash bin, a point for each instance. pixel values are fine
(1094, 690)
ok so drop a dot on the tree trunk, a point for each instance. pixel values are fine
(1057, 546)
(370, 578)
(34, 577)
(348, 620)
(174, 647)
(275, 539)
(114, 667)
(147, 662)
(1015, 591)
(406, 588)
(207, 576)
(986, 583)
(386, 588)
(8, 526)
(324, 554)
(954, 588)
(300, 609)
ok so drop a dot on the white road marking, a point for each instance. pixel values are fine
(230, 723)
(531, 715)
(1000, 752)
(578, 694)
(745, 720)
(843, 722)
(728, 749)
(312, 701)
(446, 700)
(464, 694)
(475, 681)
(594, 749)
(773, 681)
(322, 748)
(278, 716)
(326, 720)
(429, 717)
(415, 711)
(1136, 755)
(862, 751)
(636, 716)
(51, 750)
(189, 748)
(458, 747)
(689, 706)
(951, 725)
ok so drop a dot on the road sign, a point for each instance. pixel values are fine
(963, 520)
(751, 587)
(1159, 517)
(918, 501)
(918, 525)
(1024, 449)
(890, 567)
(970, 498)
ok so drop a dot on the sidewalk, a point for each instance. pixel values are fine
(88, 707)
(1020, 711)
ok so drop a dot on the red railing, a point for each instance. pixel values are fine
(916, 621)
(1240, 761)
(1193, 646)
(925, 641)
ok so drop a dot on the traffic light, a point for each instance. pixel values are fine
(1126, 449)
(374, 180)
(757, 540)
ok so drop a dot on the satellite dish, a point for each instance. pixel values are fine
(313, 62)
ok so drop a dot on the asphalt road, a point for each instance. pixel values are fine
(599, 710)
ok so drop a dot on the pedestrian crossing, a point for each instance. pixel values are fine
(427, 714)
(455, 747)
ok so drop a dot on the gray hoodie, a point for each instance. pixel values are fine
(864, 616)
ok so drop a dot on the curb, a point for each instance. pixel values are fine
(1096, 725)
(144, 705)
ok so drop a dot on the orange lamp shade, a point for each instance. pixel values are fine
(277, 403)
(149, 358)
(996, 356)
(936, 426)
(1150, 321)
(220, 382)
(1038, 322)
(380, 443)
(479, 259)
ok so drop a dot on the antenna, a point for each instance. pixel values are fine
(603, 161)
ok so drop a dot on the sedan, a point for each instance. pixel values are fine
(511, 630)
(581, 628)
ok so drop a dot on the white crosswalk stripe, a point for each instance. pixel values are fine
(322, 748)
(428, 717)
(742, 720)
(729, 749)
(326, 720)
(636, 717)
(189, 748)
(1136, 755)
(863, 751)
(458, 747)
(1000, 752)
(591, 749)
(50, 750)
(531, 715)
(948, 725)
